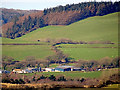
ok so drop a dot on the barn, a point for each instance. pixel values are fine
(63, 68)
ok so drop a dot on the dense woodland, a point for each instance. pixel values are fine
(9, 15)
(61, 15)
(88, 8)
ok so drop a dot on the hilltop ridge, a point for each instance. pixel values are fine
(61, 15)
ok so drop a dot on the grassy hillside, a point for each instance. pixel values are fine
(101, 28)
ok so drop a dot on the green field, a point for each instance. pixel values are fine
(100, 28)
(90, 52)
(75, 74)
(20, 52)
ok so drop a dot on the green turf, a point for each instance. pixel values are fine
(89, 52)
(74, 74)
(20, 52)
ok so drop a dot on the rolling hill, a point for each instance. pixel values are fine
(60, 15)
(101, 28)
(98, 28)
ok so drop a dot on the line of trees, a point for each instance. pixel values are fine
(60, 58)
(89, 8)
(105, 62)
(9, 15)
(112, 78)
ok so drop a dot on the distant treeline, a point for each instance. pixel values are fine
(61, 15)
(9, 15)
(88, 8)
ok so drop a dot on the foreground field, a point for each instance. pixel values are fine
(20, 52)
(52, 85)
(113, 86)
(90, 51)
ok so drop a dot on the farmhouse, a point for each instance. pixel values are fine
(18, 71)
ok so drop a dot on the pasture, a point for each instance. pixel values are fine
(90, 51)
(73, 75)
(20, 52)
(98, 28)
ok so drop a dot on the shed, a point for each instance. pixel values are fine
(62, 69)
(76, 69)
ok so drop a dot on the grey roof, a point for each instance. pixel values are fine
(65, 66)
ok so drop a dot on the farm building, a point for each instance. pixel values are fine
(18, 71)
(76, 69)
(63, 68)
(34, 69)
(0, 71)
(49, 69)
(28, 71)
(67, 68)
(5, 71)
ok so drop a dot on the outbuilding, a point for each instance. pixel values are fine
(63, 68)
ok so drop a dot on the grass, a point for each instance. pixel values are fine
(16, 41)
(20, 52)
(54, 65)
(88, 52)
(100, 28)
(87, 45)
(73, 75)
(113, 86)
